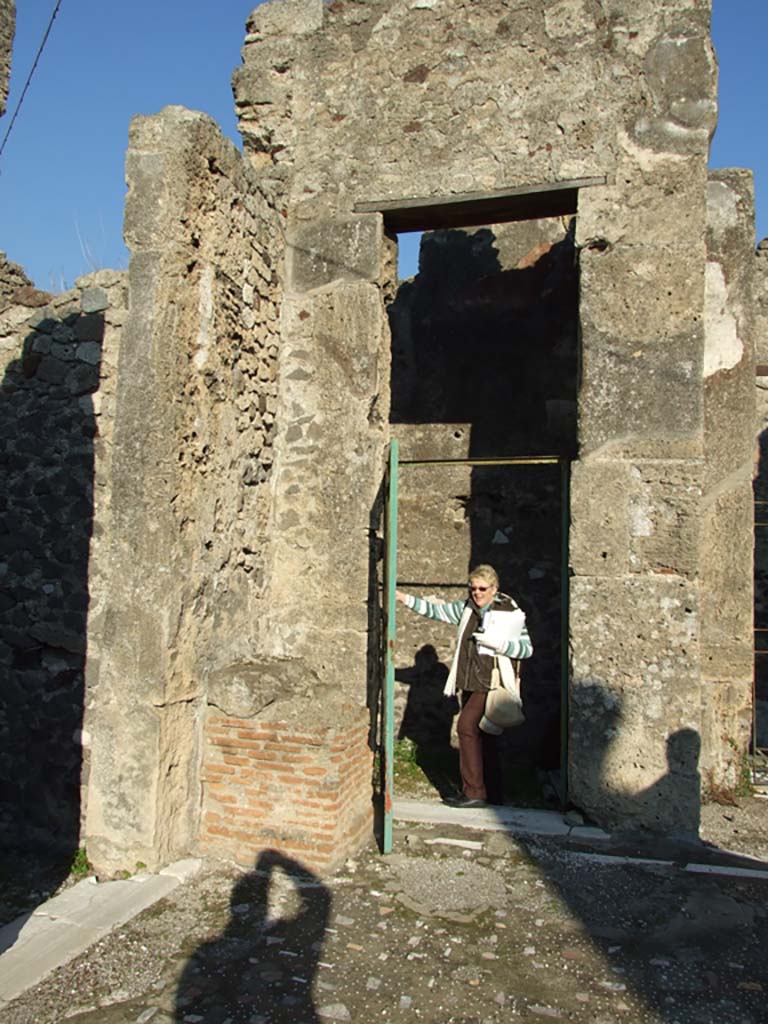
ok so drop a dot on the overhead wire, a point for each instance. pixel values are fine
(30, 75)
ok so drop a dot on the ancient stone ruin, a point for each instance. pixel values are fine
(7, 26)
(191, 550)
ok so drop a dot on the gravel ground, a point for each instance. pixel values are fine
(456, 926)
(741, 826)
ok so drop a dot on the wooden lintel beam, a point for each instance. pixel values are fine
(528, 202)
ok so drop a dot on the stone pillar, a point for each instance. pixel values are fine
(289, 781)
(635, 728)
(190, 474)
(760, 299)
(726, 543)
(330, 451)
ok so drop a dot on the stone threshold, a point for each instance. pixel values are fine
(686, 856)
(501, 818)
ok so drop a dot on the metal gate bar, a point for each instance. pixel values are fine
(390, 583)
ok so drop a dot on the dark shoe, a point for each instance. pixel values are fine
(465, 801)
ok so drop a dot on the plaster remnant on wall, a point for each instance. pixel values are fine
(640, 518)
(723, 349)
(722, 206)
(206, 314)
(647, 158)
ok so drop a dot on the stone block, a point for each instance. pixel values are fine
(726, 731)
(333, 249)
(56, 635)
(82, 379)
(51, 370)
(642, 345)
(665, 501)
(434, 539)
(644, 297)
(660, 205)
(94, 300)
(600, 518)
(285, 18)
(122, 799)
(634, 716)
(244, 689)
(727, 542)
(89, 327)
(636, 402)
(636, 632)
(90, 352)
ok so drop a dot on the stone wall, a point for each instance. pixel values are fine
(383, 99)
(237, 447)
(16, 289)
(58, 356)
(7, 29)
(347, 104)
(194, 428)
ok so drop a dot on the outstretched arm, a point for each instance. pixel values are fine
(441, 611)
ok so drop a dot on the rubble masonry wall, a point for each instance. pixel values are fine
(194, 429)
(59, 356)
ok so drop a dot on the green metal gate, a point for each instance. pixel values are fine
(390, 584)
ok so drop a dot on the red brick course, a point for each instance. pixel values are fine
(272, 785)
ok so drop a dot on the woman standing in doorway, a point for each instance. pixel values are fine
(491, 630)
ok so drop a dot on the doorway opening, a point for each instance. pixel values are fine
(517, 508)
(485, 375)
(483, 407)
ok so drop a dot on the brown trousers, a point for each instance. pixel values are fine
(479, 761)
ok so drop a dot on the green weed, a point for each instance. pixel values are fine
(80, 866)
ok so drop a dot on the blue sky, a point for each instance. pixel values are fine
(62, 172)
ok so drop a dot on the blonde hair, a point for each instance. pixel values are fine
(486, 573)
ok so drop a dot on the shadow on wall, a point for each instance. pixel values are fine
(478, 341)
(427, 720)
(267, 957)
(670, 807)
(47, 429)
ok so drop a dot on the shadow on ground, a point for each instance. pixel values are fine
(265, 961)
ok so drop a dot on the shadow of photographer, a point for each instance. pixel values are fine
(265, 961)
